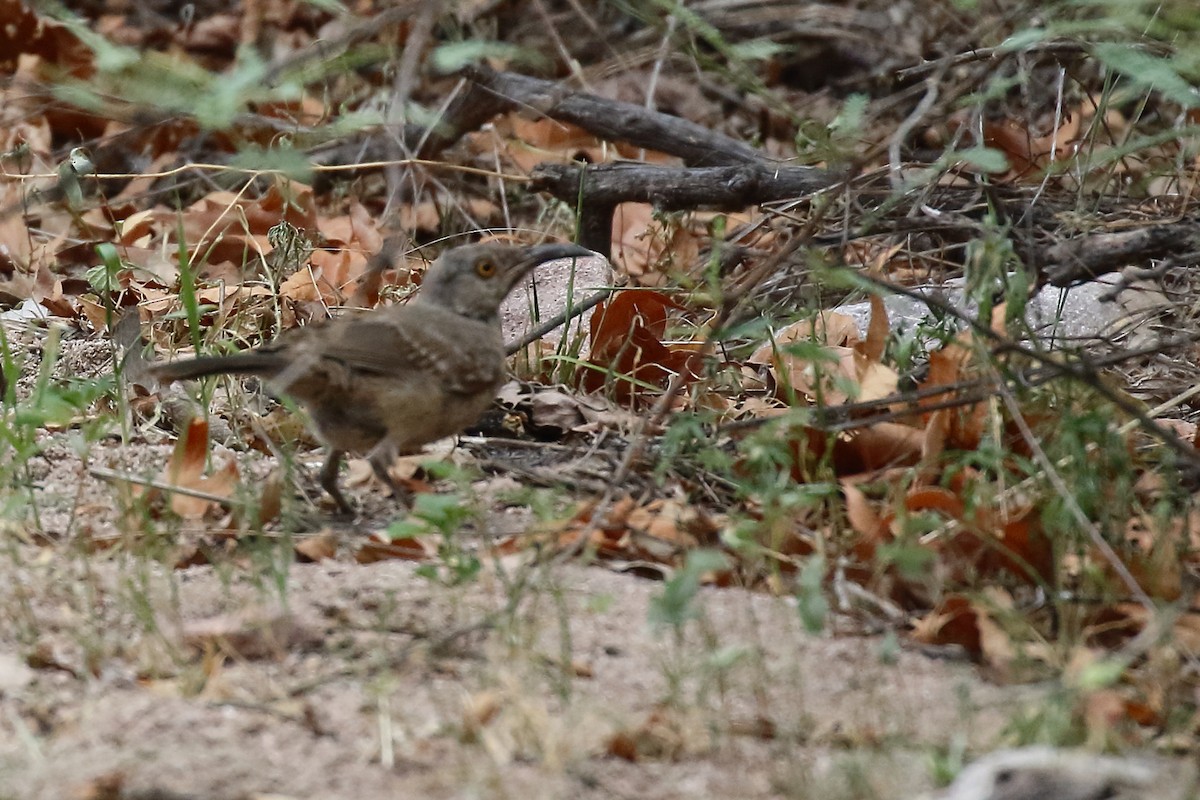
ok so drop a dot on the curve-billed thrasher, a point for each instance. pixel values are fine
(390, 381)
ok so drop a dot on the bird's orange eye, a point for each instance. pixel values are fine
(485, 268)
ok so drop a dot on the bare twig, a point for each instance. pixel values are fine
(558, 319)
(111, 475)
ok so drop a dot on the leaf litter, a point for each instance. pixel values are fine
(933, 510)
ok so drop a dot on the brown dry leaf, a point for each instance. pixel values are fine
(339, 268)
(604, 539)
(933, 443)
(427, 216)
(186, 470)
(378, 547)
(27, 33)
(1186, 630)
(626, 340)
(682, 524)
(1016, 544)
(479, 709)
(877, 332)
(533, 142)
(830, 328)
(270, 496)
(954, 621)
(875, 381)
(996, 645)
(863, 518)
(1187, 431)
(988, 541)
(109, 786)
(668, 733)
(879, 446)
(1104, 711)
(553, 410)
(309, 285)
(550, 134)
(16, 253)
(947, 367)
(852, 367)
(229, 296)
(1111, 626)
(364, 229)
(250, 634)
(644, 250)
(1152, 556)
(1028, 154)
(317, 547)
(97, 315)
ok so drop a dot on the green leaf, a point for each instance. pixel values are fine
(443, 511)
(332, 6)
(757, 49)
(450, 58)
(1025, 38)
(1150, 71)
(985, 158)
(673, 606)
(1101, 674)
(810, 596)
(815, 352)
(109, 57)
(850, 119)
(228, 95)
(291, 163)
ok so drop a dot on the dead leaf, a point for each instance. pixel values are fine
(954, 621)
(252, 634)
(186, 470)
(667, 733)
(317, 547)
(378, 547)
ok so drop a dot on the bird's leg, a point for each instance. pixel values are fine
(380, 458)
(328, 477)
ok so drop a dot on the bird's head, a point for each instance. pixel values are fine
(472, 280)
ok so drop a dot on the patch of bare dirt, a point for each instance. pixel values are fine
(364, 681)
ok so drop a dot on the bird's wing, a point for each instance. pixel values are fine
(452, 351)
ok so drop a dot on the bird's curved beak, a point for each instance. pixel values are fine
(541, 253)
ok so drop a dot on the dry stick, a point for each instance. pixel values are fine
(992, 54)
(1029, 482)
(1155, 627)
(615, 120)
(326, 49)
(406, 70)
(1060, 486)
(1084, 373)
(864, 413)
(110, 475)
(1088, 257)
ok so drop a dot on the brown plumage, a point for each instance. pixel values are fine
(389, 381)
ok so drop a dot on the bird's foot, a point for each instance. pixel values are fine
(328, 480)
(379, 465)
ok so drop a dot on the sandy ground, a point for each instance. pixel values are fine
(337, 680)
(124, 677)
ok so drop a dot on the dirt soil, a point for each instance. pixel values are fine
(122, 676)
(339, 680)
(148, 654)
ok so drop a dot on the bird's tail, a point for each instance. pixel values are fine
(252, 363)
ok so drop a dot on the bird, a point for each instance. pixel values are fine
(389, 381)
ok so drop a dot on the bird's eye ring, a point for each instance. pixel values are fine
(485, 268)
